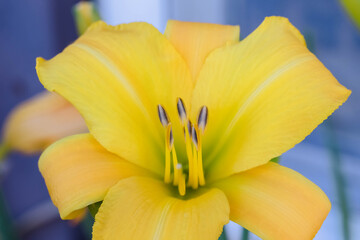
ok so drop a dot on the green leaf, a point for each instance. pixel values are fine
(275, 160)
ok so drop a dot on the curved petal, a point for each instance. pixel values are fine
(78, 171)
(195, 41)
(144, 208)
(264, 95)
(116, 76)
(275, 202)
(40, 121)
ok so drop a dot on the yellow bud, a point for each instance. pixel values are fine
(84, 14)
(40, 121)
(353, 9)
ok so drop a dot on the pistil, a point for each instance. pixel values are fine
(189, 151)
(182, 179)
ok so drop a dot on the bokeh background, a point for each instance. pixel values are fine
(329, 156)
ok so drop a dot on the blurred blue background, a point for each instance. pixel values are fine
(29, 29)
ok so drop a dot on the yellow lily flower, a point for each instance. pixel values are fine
(39, 121)
(183, 127)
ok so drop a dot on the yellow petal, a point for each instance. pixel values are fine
(275, 202)
(195, 41)
(116, 76)
(78, 171)
(144, 208)
(40, 121)
(264, 95)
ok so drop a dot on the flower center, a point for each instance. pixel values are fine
(193, 138)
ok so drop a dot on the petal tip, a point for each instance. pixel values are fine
(39, 64)
(285, 22)
(98, 25)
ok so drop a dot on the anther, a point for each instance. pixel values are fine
(194, 137)
(164, 119)
(181, 110)
(202, 118)
(171, 139)
(189, 127)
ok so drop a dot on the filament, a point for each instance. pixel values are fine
(167, 176)
(200, 164)
(175, 163)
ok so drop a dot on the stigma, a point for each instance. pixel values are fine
(193, 132)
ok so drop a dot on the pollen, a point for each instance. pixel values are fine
(193, 133)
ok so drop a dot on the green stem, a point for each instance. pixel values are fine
(339, 178)
(245, 234)
(86, 225)
(6, 230)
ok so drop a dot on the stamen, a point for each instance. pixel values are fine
(164, 119)
(181, 111)
(202, 122)
(189, 127)
(195, 182)
(194, 137)
(167, 176)
(189, 151)
(181, 186)
(171, 139)
(200, 163)
(202, 118)
(175, 163)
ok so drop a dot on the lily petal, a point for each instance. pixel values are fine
(40, 121)
(264, 95)
(195, 41)
(116, 76)
(78, 171)
(275, 202)
(155, 207)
